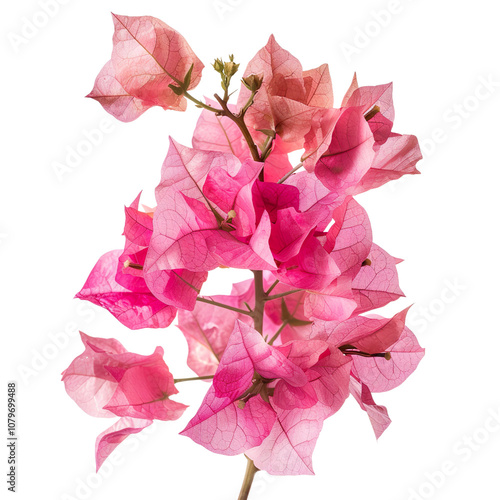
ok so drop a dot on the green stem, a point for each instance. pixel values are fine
(207, 377)
(224, 306)
(271, 288)
(286, 176)
(199, 103)
(277, 334)
(240, 122)
(248, 480)
(284, 294)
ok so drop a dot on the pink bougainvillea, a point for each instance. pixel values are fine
(285, 348)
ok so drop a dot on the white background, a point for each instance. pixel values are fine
(444, 223)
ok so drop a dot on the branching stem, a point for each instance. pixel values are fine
(224, 306)
(284, 294)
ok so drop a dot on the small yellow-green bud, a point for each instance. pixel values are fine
(253, 82)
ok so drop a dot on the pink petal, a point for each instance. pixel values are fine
(288, 449)
(354, 85)
(319, 137)
(177, 287)
(86, 380)
(397, 157)
(367, 97)
(289, 233)
(381, 375)
(222, 427)
(350, 239)
(350, 153)
(114, 98)
(219, 133)
(143, 390)
(272, 197)
(148, 55)
(108, 440)
(305, 353)
(137, 308)
(376, 284)
(247, 352)
(336, 302)
(277, 66)
(187, 234)
(207, 330)
(378, 415)
(288, 397)
(318, 84)
(313, 268)
(138, 225)
(330, 378)
(292, 119)
(186, 169)
(368, 334)
(277, 163)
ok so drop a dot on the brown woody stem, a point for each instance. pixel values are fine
(248, 480)
(258, 310)
(240, 122)
(224, 306)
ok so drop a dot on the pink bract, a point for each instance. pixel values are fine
(284, 350)
(259, 389)
(147, 57)
(106, 380)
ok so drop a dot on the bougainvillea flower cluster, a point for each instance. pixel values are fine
(286, 348)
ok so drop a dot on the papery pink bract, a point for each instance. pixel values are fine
(147, 57)
(372, 335)
(349, 240)
(288, 449)
(312, 268)
(222, 427)
(199, 227)
(381, 375)
(218, 207)
(336, 302)
(109, 439)
(396, 158)
(364, 152)
(315, 197)
(134, 306)
(294, 371)
(368, 334)
(246, 353)
(207, 330)
(350, 153)
(114, 98)
(144, 388)
(106, 380)
(87, 381)
(220, 133)
(179, 287)
(377, 283)
(282, 73)
(378, 415)
(290, 102)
